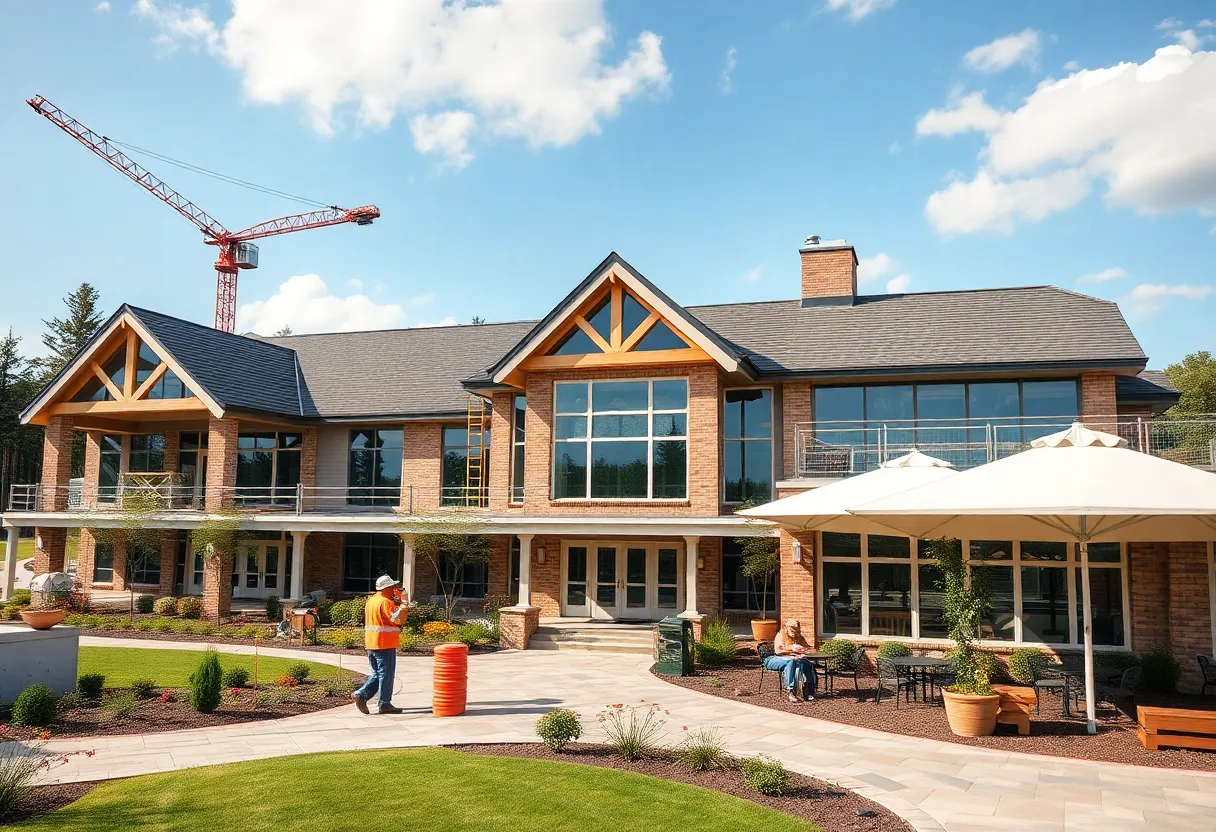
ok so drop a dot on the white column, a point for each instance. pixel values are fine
(690, 576)
(525, 570)
(407, 566)
(297, 564)
(10, 564)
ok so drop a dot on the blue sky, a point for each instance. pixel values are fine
(512, 147)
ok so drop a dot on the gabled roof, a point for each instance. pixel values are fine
(1151, 387)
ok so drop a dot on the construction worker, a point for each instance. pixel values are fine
(383, 615)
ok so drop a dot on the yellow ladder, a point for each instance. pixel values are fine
(474, 465)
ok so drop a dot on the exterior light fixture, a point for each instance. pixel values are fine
(38, 542)
(700, 561)
(540, 554)
(797, 552)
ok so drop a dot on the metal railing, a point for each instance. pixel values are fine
(839, 449)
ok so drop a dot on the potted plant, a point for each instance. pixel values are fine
(971, 703)
(43, 619)
(760, 562)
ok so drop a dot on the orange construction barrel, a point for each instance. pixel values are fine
(451, 680)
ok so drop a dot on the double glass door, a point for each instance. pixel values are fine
(622, 580)
(259, 570)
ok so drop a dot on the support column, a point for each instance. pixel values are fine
(690, 584)
(297, 565)
(217, 585)
(10, 563)
(50, 550)
(525, 570)
(221, 462)
(407, 566)
(56, 463)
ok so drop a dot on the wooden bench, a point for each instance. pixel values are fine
(1016, 705)
(1176, 728)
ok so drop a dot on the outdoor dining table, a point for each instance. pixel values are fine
(815, 657)
(1074, 681)
(921, 669)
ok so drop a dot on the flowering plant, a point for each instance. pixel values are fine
(440, 629)
(633, 731)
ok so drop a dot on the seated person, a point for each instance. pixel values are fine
(787, 649)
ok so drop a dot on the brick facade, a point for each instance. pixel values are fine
(709, 575)
(221, 461)
(422, 466)
(796, 583)
(50, 550)
(796, 407)
(501, 445)
(323, 563)
(1098, 401)
(829, 273)
(1170, 603)
(56, 462)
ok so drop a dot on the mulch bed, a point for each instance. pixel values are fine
(828, 806)
(1050, 732)
(419, 650)
(47, 799)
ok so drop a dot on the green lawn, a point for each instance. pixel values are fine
(433, 789)
(172, 668)
(25, 548)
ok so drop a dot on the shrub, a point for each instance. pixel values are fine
(416, 615)
(286, 681)
(632, 731)
(21, 597)
(253, 631)
(235, 677)
(717, 645)
(118, 707)
(964, 607)
(165, 606)
(35, 707)
(298, 671)
(323, 611)
(190, 607)
(90, 684)
(472, 634)
(70, 701)
(143, 688)
(341, 684)
(558, 728)
(12, 612)
(841, 651)
(144, 625)
(437, 629)
(1160, 671)
(162, 625)
(274, 609)
(347, 613)
(145, 603)
(702, 750)
(205, 683)
(1116, 659)
(1025, 663)
(765, 774)
(343, 639)
(408, 641)
(17, 775)
(893, 650)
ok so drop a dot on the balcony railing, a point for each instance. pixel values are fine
(840, 449)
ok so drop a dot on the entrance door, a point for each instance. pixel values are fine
(636, 582)
(621, 580)
(607, 589)
(258, 571)
(574, 564)
(667, 597)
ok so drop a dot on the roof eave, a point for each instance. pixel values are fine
(1130, 365)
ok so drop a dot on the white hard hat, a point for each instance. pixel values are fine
(384, 582)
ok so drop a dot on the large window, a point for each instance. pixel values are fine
(748, 445)
(192, 463)
(456, 451)
(111, 466)
(267, 466)
(621, 439)
(740, 593)
(469, 581)
(103, 562)
(366, 557)
(519, 412)
(882, 586)
(147, 454)
(144, 565)
(374, 475)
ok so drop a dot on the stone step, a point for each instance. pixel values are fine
(605, 646)
(606, 637)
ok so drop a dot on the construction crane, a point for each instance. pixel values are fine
(236, 249)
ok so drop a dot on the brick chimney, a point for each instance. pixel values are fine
(829, 272)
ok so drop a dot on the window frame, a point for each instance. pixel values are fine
(588, 440)
(770, 439)
(98, 545)
(518, 442)
(147, 558)
(272, 493)
(374, 498)
(462, 496)
(367, 549)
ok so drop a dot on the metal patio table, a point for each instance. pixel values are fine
(921, 668)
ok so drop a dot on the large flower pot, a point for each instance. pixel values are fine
(765, 629)
(42, 619)
(970, 715)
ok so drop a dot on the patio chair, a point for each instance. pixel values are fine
(1047, 681)
(764, 649)
(942, 678)
(1207, 668)
(893, 677)
(1124, 689)
(852, 668)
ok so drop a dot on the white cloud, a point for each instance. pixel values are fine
(1175, 29)
(725, 82)
(450, 320)
(1002, 53)
(354, 283)
(964, 114)
(1144, 130)
(754, 274)
(1103, 276)
(1072, 66)
(898, 284)
(420, 300)
(872, 268)
(1148, 298)
(304, 303)
(539, 71)
(855, 10)
(102, 7)
(446, 134)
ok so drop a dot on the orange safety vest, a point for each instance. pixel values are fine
(381, 628)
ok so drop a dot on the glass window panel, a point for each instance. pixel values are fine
(999, 623)
(660, 337)
(842, 598)
(941, 401)
(94, 390)
(839, 404)
(570, 470)
(618, 469)
(111, 443)
(103, 562)
(253, 469)
(362, 468)
(667, 597)
(931, 590)
(1102, 552)
(520, 421)
(116, 367)
(358, 439)
(671, 394)
(757, 470)
(188, 441)
(889, 403)
(290, 441)
(1042, 550)
(1045, 604)
(890, 599)
(738, 591)
(732, 462)
(575, 342)
(145, 362)
(1105, 604)
(757, 412)
(572, 398)
(841, 545)
(576, 567)
(600, 317)
(671, 469)
(619, 395)
(635, 566)
(1050, 398)
(390, 438)
(454, 436)
(670, 424)
(517, 474)
(635, 596)
(991, 550)
(993, 400)
(607, 427)
(632, 314)
(668, 571)
(287, 472)
(570, 427)
(887, 546)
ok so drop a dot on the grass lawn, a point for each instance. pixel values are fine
(433, 789)
(25, 548)
(172, 668)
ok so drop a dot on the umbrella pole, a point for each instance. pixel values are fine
(1087, 619)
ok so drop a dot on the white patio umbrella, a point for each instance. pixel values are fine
(1077, 485)
(827, 508)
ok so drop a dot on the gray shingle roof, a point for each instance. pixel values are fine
(1151, 386)
(993, 328)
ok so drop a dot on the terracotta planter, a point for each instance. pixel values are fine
(971, 716)
(765, 629)
(42, 619)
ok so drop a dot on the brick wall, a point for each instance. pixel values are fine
(56, 462)
(498, 570)
(545, 587)
(217, 579)
(120, 567)
(173, 444)
(86, 550)
(51, 555)
(221, 462)
(500, 451)
(796, 583)
(323, 563)
(1149, 587)
(421, 466)
(709, 576)
(829, 274)
(308, 457)
(92, 467)
(1098, 400)
(1171, 603)
(795, 407)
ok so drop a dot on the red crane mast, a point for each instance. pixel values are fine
(236, 249)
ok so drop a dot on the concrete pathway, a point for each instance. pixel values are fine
(934, 785)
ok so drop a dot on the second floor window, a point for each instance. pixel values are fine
(147, 454)
(374, 475)
(111, 466)
(268, 465)
(456, 451)
(519, 413)
(748, 445)
(621, 439)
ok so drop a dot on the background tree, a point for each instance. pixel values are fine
(64, 337)
(477, 320)
(1184, 434)
(1195, 378)
(285, 330)
(452, 543)
(20, 445)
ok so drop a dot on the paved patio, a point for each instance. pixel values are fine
(933, 785)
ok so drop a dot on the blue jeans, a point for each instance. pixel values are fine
(384, 668)
(791, 668)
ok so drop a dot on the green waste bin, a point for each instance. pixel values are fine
(673, 647)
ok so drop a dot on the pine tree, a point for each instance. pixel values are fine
(286, 330)
(64, 337)
(19, 444)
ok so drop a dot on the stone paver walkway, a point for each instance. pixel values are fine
(935, 785)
